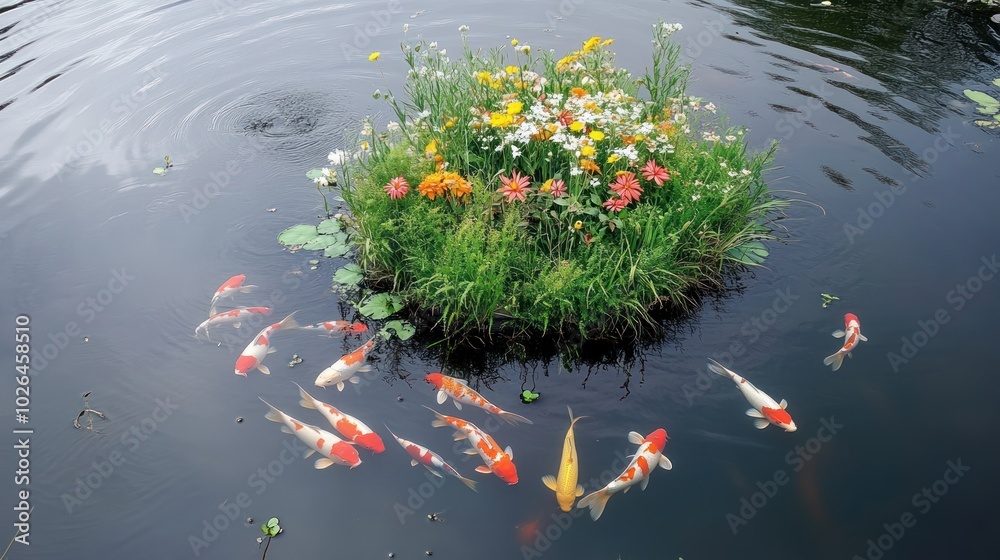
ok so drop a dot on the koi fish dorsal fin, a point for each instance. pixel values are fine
(760, 423)
(441, 397)
(550, 482)
(309, 454)
(783, 403)
(754, 413)
(635, 437)
(461, 381)
(458, 405)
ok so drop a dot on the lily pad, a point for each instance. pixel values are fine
(323, 241)
(381, 306)
(350, 275)
(996, 82)
(336, 250)
(159, 171)
(298, 235)
(980, 97)
(752, 253)
(314, 173)
(329, 226)
(402, 329)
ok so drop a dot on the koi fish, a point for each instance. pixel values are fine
(564, 485)
(331, 327)
(460, 392)
(255, 352)
(423, 456)
(765, 411)
(233, 316)
(350, 427)
(346, 368)
(648, 457)
(498, 461)
(851, 339)
(230, 287)
(335, 451)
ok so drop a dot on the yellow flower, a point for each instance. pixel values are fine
(590, 165)
(607, 42)
(484, 77)
(613, 158)
(514, 42)
(587, 151)
(511, 69)
(577, 126)
(591, 44)
(566, 61)
(578, 225)
(374, 56)
(500, 120)
(596, 135)
(431, 148)
(364, 146)
(514, 107)
(546, 186)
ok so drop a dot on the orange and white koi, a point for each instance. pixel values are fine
(565, 483)
(233, 316)
(347, 367)
(350, 427)
(497, 460)
(851, 338)
(430, 460)
(335, 451)
(648, 457)
(460, 392)
(337, 327)
(255, 352)
(230, 287)
(765, 410)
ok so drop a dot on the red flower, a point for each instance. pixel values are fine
(515, 187)
(397, 188)
(627, 187)
(565, 118)
(615, 204)
(653, 172)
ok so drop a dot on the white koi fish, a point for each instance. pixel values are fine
(851, 338)
(460, 392)
(648, 457)
(431, 460)
(260, 347)
(350, 427)
(230, 287)
(233, 316)
(346, 368)
(337, 327)
(335, 451)
(497, 460)
(765, 410)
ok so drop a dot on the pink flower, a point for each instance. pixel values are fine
(653, 172)
(515, 187)
(558, 188)
(615, 204)
(397, 188)
(627, 187)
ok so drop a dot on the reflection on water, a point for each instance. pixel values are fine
(246, 96)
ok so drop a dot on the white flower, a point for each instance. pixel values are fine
(523, 49)
(393, 126)
(433, 45)
(730, 138)
(710, 107)
(695, 197)
(406, 27)
(671, 28)
(337, 157)
(745, 172)
(722, 164)
(595, 182)
(463, 28)
(444, 52)
(733, 173)
(514, 152)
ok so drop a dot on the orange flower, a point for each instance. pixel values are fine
(578, 92)
(590, 165)
(442, 182)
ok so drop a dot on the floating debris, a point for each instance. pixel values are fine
(828, 299)
(272, 209)
(163, 170)
(90, 413)
(399, 398)
(296, 359)
(435, 517)
(239, 420)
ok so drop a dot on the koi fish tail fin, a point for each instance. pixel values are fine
(274, 415)
(596, 502)
(287, 323)
(716, 367)
(836, 360)
(512, 418)
(307, 400)
(573, 419)
(468, 482)
(213, 310)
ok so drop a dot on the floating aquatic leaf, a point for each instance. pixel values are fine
(403, 329)
(381, 306)
(528, 396)
(336, 250)
(828, 299)
(980, 97)
(298, 235)
(314, 173)
(996, 82)
(323, 241)
(329, 226)
(271, 528)
(350, 275)
(988, 109)
(159, 171)
(752, 253)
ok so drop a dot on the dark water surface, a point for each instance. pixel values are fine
(245, 96)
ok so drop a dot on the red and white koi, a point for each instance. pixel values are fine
(346, 369)
(648, 457)
(460, 392)
(429, 459)
(348, 426)
(230, 287)
(335, 451)
(234, 317)
(496, 460)
(255, 352)
(851, 338)
(337, 327)
(765, 410)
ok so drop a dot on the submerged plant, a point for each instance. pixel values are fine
(271, 529)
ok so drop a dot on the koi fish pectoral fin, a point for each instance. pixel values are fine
(470, 451)
(308, 454)
(665, 463)
(579, 490)
(862, 337)
(635, 437)
(263, 369)
(483, 469)
(441, 397)
(760, 423)
(754, 413)
(643, 484)
(838, 333)
(340, 386)
(509, 452)
(414, 462)
(286, 430)
(550, 482)
(323, 463)
(434, 472)
(458, 405)
(783, 403)
(272, 350)
(237, 324)
(438, 423)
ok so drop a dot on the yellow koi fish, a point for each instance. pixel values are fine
(564, 485)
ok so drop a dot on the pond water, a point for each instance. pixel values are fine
(115, 267)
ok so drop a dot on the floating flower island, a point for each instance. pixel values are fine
(521, 192)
